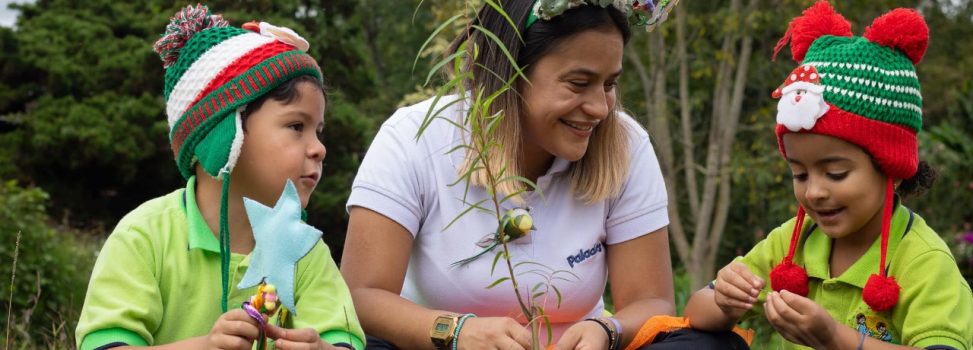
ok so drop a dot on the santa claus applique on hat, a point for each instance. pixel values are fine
(801, 99)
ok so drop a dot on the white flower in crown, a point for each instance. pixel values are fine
(801, 99)
(282, 34)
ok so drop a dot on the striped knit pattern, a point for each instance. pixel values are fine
(218, 71)
(869, 80)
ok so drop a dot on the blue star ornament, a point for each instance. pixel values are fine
(281, 240)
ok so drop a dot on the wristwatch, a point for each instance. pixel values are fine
(442, 330)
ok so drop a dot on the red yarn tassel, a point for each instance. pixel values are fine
(787, 275)
(881, 292)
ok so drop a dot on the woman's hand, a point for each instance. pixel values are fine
(800, 320)
(233, 330)
(736, 289)
(493, 333)
(587, 335)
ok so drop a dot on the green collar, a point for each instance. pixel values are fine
(200, 236)
(817, 252)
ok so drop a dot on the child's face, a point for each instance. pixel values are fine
(836, 184)
(282, 142)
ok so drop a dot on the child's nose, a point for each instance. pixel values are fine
(317, 150)
(815, 190)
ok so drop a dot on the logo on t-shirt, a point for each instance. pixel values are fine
(874, 326)
(584, 255)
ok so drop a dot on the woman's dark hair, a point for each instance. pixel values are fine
(919, 183)
(285, 93)
(543, 36)
(491, 67)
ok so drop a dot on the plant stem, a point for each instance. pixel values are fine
(13, 277)
(528, 314)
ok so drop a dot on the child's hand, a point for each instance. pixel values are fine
(800, 320)
(296, 339)
(736, 289)
(233, 330)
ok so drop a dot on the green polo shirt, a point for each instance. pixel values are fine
(157, 281)
(935, 305)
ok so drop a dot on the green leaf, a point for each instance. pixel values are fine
(496, 7)
(496, 258)
(558, 293)
(439, 65)
(433, 35)
(503, 48)
(498, 281)
(465, 211)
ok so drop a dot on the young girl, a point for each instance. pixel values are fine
(168, 274)
(855, 268)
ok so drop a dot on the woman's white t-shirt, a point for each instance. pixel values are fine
(409, 181)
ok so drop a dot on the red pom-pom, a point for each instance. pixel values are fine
(881, 293)
(790, 277)
(183, 25)
(818, 20)
(902, 29)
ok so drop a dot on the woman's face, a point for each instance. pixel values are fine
(570, 90)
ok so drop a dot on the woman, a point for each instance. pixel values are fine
(601, 213)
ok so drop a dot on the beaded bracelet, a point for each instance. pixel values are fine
(618, 331)
(459, 326)
(610, 330)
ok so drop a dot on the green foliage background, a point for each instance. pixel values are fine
(83, 137)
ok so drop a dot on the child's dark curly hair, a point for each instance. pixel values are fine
(919, 183)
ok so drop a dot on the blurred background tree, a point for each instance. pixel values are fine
(83, 137)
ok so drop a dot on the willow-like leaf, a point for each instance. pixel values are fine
(433, 36)
(524, 180)
(464, 212)
(498, 281)
(558, 293)
(457, 148)
(494, 122)
(496, 258)
(430, 115)
(512, 195)
(465, 176)
(522, 263)
(496, 7)
(500, 45)
(547, 325)
(439, 65)
(567, 272)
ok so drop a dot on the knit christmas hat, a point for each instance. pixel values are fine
(213, 71)
(863, 90)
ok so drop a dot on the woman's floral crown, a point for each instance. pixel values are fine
(646, 12)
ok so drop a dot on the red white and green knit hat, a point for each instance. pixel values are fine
(212, 72)
(863, 90)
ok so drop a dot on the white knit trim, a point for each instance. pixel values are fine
(871, 83)
(876, 100)
(237, 143)
(206, 68)
(861, 66)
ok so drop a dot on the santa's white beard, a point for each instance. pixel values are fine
(800, 114)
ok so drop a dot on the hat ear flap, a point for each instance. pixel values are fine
(818, 20)
(901, 29)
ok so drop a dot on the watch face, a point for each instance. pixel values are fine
(442, 327)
